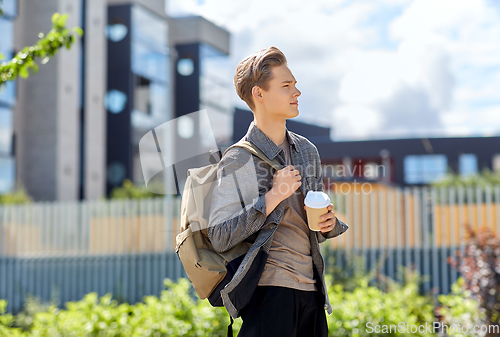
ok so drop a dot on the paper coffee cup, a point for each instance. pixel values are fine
(317, 203)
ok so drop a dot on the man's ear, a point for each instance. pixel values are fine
(257, 93)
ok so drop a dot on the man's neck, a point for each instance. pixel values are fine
(275, 130)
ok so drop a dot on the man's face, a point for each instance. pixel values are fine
(280, 100)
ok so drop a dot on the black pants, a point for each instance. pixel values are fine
(284, 312)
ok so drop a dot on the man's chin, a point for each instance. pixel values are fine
(288, 114)
(294, 114)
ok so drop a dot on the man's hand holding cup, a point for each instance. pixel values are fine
(320, 214)
(328, 220)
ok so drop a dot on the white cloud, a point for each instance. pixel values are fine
(352, 121)
(408, 112)
(444, 60)
(181, 8)
(429, 16)
(368, 75)
(485, 122)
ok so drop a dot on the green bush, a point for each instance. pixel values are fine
(357, 313)
(32, 306)
(485, 178)
(18, 196)
(177, 313)
(174, 313)
(460, 309)
(130, 191)
(7, 322)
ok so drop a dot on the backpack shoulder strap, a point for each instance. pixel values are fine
(256, 151)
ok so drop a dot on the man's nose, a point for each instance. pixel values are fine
(298, 93)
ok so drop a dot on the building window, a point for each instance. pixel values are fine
(467, 164)
(115, 101)
(6, 131)
(424, 169)
(116, 32)
(7, 91)
(142, 100)
(185, 127)
(150, 60)
(185, 66)
(215, 93)
(9, 8)
(7, 99)
(7, 174)
(496, 163)
(116, 173)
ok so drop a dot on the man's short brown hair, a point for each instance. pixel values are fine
(255, 70)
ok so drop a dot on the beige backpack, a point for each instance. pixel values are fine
(208, 270)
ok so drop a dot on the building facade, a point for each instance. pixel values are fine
(202, 82)
(7, 100)
(139, 84)
(59, 111)
(402, 162)
(78, 122)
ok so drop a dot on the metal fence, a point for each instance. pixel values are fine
(126, 247)
(417, 227)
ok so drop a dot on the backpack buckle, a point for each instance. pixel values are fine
(214, 156)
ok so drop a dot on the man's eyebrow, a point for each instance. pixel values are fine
(288, 81)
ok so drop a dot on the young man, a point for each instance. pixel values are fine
(279, 287)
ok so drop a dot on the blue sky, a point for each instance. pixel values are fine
(374, 69)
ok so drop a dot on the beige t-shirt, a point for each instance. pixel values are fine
(289, 263)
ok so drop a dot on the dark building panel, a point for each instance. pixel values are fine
(137, 99)
(120, 86)
(187, 86)
(391, 152)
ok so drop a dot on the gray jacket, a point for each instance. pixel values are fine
(231, 224)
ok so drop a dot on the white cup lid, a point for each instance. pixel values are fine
(317, 199)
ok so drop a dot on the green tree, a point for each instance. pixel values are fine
(48, 46)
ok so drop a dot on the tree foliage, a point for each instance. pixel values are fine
(460, 308)
(485, 178)
(18, 196)
(130, 191)
(49, 44)
(479, 265)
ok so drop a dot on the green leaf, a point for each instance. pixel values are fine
(23, 72)
(61, 21)
(46, 47)
(1, 56)
(78, 30)
(55, 16)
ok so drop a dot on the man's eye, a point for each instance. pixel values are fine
(285, 86)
